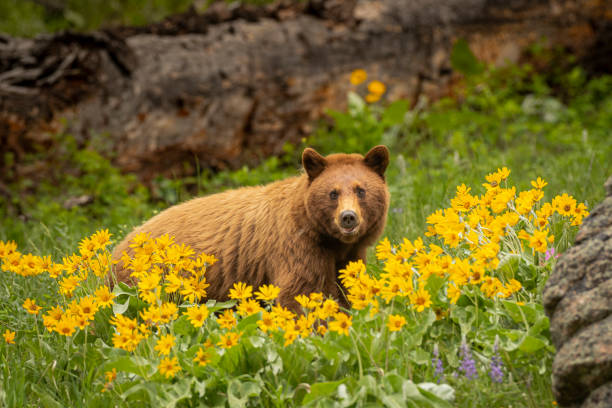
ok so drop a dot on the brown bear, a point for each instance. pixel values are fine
(295, 233)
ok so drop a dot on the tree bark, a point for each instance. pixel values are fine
(235, 83)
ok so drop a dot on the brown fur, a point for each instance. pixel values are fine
(286, 233)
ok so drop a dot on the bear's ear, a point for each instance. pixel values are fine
(313, 163)
(378, 159)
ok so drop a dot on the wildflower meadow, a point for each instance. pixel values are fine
(451, 318)
(488, 189)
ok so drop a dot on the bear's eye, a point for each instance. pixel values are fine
(333, 195)
(360, 192)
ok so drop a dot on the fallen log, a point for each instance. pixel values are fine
(234, 83)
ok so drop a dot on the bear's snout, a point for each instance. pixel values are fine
(348, 219)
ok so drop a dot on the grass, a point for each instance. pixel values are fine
(29, 18)
(556, 126)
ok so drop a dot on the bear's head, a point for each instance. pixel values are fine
(347, 195)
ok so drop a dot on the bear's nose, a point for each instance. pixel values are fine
(348, 219)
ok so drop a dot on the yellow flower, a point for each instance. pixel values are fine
(88, 307)
(165, 344)
(173, 282)
(580, 211)
(564, 204)
(52, 317)
(496, 178)
(501, 200)
(539, 183)
(86, 247)
(110, 375)
(396, 322)
(123, 323)
(328, 308)
(341, 324)
(420, 300)
(66, 326)
(101, 239)
(371, 98)
(384, 250)
(227, 319)
(9, 336)
(151, 315)
(304, 301)
(7, 248)
(202, 357)
(228, 340)
(514, 286)
(194, 289)
(453, 293)
(241, 291)
(267, 292)
(354, 269)
(248, 307)
(197, 315)
(376, 88)
(290, 336)
(168, 312)
(538, 240)
(358, 76)
(492, 287)
(30, 306)
(267, 322)
(168, 367)
(147, 286)
(104, 297)
(140, 239)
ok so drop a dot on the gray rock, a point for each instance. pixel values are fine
(600, 398)
(578, 301)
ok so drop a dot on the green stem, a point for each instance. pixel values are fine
(358, 355)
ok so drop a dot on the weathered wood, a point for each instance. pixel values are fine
(235, 83)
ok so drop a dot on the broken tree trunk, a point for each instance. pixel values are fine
(235, 83)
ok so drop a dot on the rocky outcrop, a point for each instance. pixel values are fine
(234, 83)
(578, 301)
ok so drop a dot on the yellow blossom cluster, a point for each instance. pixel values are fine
(319, 314)
(476, 232)
(161, 266)
(92, 259)
(376, 89)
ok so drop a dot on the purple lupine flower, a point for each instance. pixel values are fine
(437, 365)
(496, 372)
(468, 365)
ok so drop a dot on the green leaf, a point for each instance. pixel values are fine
(44, 398)
(124, 289)
(183, 326)
(518, 313)
(249, 323)
(531, 344)
(464, 316)
(171, 394)
(442, 391)
(420, 356)
(121, 308)
(320, 390)
(239, 391)
(394, 113)
(541, 324)
(463, 60)
(213, 305)
(132, 364)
